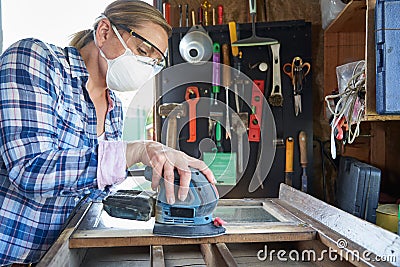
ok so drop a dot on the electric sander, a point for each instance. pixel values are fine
(189, 218)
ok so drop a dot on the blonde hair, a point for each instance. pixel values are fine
(131, 13)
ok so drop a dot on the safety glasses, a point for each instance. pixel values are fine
(146, 49)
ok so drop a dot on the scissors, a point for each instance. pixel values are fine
(297, 71)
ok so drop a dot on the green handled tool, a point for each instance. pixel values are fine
(223, 165)
(216, 71)
(218, 137)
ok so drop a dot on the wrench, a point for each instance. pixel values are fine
(276, 98)
(192, 102)
(240, 123)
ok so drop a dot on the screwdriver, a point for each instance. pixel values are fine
(216, 72)
(187, 15)
(289, 160)
(220, 10)
(180, 15)
(303, 159)
(226, 82)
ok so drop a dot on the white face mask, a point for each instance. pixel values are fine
(127, 72)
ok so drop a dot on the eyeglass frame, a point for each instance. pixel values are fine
(136, 35)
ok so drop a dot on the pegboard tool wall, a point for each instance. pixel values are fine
(295, 40)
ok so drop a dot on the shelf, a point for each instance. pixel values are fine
(351, 37)
(351, 19)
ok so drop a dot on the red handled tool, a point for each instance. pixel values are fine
(167, 12)
(200, 16)
(256, 106)
(220, 11)
(192, 97)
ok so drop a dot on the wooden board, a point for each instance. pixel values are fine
(307, 223)
(157, 256)
(211, 255)
(117, 257)
(246, 255)
(334, 224)
(93, 231)
(59, 253)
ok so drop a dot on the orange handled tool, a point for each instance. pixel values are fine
(289, 161)
(192, 97)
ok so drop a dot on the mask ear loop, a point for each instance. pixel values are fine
(120, 38)
(102, 16)
(95, 24)
(95, 43)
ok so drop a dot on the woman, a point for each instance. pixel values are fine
(61, 125)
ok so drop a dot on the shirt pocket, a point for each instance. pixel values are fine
(71, 129)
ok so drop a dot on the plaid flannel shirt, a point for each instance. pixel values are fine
(48, 145)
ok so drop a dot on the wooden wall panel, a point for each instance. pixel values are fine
(237, 11)
(391, 181)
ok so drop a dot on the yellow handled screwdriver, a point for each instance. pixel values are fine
(289, 160)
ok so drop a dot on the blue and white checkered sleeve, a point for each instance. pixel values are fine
(38, 164)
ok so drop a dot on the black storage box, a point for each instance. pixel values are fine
(357, 188)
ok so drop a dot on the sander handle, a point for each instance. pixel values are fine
(136, 172)
(197, 176)
(201, 190)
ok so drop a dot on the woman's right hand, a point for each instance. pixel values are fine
(164, 160)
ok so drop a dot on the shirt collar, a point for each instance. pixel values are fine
(78, 69)
(111, 100)
(77, 65)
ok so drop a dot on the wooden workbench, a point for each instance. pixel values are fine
(293, 222)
